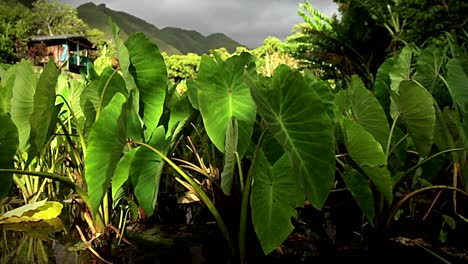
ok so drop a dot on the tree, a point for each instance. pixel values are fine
(55, 18)
(15, 27)
(337, 49)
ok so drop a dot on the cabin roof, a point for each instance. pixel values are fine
(81, 40)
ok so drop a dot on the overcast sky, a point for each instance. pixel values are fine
(246, 21)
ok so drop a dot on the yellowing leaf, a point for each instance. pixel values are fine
(38, 211)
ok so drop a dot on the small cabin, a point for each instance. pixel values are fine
(70, 51)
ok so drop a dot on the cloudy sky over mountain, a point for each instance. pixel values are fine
(247, 21)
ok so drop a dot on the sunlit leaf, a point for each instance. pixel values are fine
(22, 102)
(274, 201)
(146, 168)
(150, 75)
(122, 171)
(180, 113)
(224, 95)
(105, 145)
(296, 116)
(123, 57)
(43, 114)
(7, 82)
(42, 210)
(229, 156)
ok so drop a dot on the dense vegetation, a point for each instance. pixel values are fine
(357, 117)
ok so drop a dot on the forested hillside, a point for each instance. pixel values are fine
(170, 39)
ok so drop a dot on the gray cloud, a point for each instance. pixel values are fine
(246, 21)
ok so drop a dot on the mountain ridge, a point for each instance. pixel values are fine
(171, 40)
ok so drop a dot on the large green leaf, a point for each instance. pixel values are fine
(8, 144)
(324, 91)
(105, 144)
(122, 171)
(22, 102)
(146, 168)
(123, 56)
(457, 79)
(416, 107)
(230, 151)
(359, 187)
(43, 114)
(369, 156)
(296, 116)
(150, 75)
(382, 84)
(224, 95)
(401, 70)
(97, 95)
(180, 113)
(429, 67)
(367, 111)
(6, 90)
(274, 201)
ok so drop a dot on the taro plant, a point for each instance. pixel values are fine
(401, 139)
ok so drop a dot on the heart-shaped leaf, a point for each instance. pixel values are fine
(369, 156)
(274, 201)
(367, 111)
(296, 116)
(22, 102)
(223, 94)
(416, 107)
(150, 75)
(146, 168)
(105, 145)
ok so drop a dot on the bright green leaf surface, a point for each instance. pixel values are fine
(232, 135)
(150, 74)
(295, 115)
(123, 56)
(274, 200)
(38, 211)
(146, 168)
(43, 114)
(22, 103)
(180, 113)
(105, 144)
(122, 171)
(6, 90)
(224, 95)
